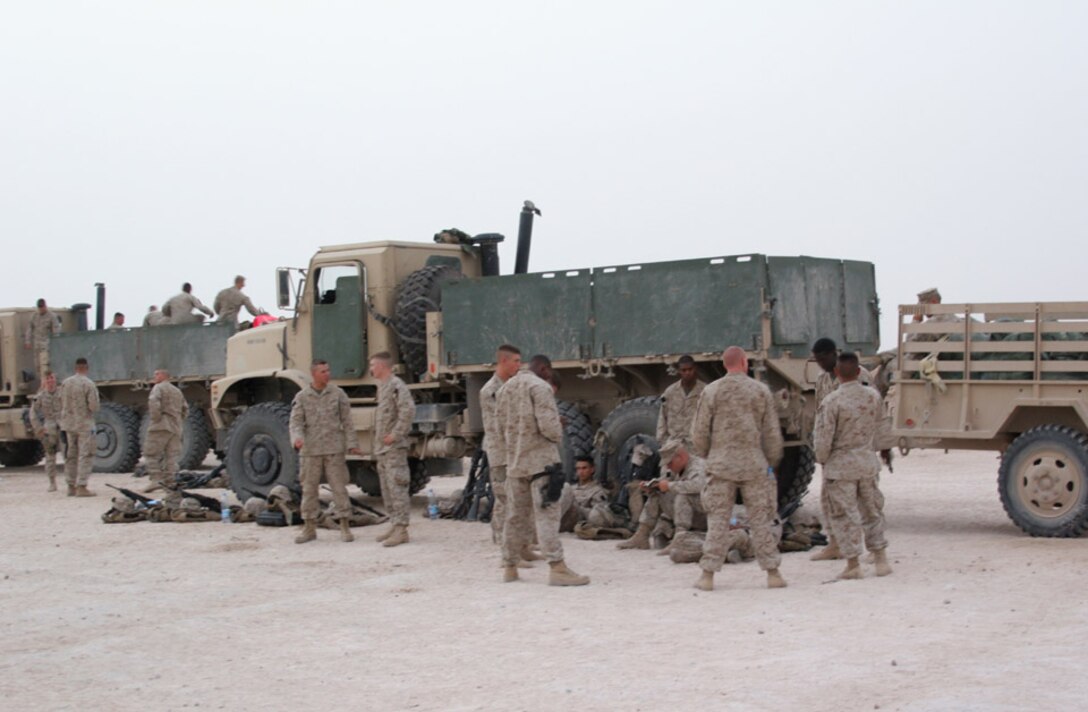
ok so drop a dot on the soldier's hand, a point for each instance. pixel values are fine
(298, 444)
(355, 451)
(388, 439)
(663, 486)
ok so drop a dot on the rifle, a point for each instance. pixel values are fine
(193, 480)
(251, 493)
(477, 488)
(356, 502)
(205, 501)
(146, 501)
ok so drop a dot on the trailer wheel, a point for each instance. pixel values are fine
(577, 437)
(21, 453)
(419, 293)
(196, 438)
(794, 475)
(628, 424)
(117, 438)
(1043, 481)
(259, 451)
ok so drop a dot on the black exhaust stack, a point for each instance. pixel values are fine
(100, 307)
(525, 237)
(488, 243)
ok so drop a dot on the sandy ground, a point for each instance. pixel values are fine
(187, 616)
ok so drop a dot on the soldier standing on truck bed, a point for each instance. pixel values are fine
(392, 423)
(179, 309)
(229, 302)
(43, 324)
(79, 403)
(736, 430)
(322, 431)
(507, 365)
(530, 433)
(931, 296)
(45, 416)
(166, 414)
(843, 439)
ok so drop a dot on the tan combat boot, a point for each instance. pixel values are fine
(398, 536)
(560, 575)
(309, 532)
(52, 484)
(640, 539)
(509, 574)
(829, 552)
(82, 491)
(530, 554)
(706, 581)
(385, 535)
(345, 531)
(71, 490)
(880, 558)
(774, 579)
(852, 570)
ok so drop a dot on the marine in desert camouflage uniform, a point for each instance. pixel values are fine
(45, 417)
(166, 411)
(678, 403)
(843, 439)
(322, 431)
(586, 500)
(736, 430)
(79, 403)
(530, 432)
(229, 302)
(392, 423)
(42, 325)
(507, 364)
(179, 308)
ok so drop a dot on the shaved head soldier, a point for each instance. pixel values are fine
(166, 414)
(79, 403)
(392, 423)
(229, 302)
(507, 365)
(736, 430)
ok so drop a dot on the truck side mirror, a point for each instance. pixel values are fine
(283, 288)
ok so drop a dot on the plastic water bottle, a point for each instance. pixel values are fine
(224, 508)
(432, 504)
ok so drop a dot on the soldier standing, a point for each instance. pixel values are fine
(229, 302)
(322, 431)
(166, 412)
(392, 423)
(79, 403)
(179, 309)
(45, 415)
(736, 429)
(507, 364)
(678, 403)
(843, 439)
(43, 324)
(530, 433)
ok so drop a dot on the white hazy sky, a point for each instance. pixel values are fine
(147, 143)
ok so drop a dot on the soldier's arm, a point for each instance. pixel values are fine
(297, 423)
(217, 305)
(248, 304)
(662, 422)
(499, 435)
(406, 412)
(351, 438)
(154, 405)
(824, 432)
(701, 425)
(200, 305)
(772, 431)
(546, 413)
(92, 399)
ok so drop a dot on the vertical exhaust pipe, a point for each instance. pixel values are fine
(525, 237)
(100, 307)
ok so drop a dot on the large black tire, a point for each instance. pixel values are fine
(259, 451)
(117, 438)
(577, 437)
(368, 481)
(631, 422)
(21, 453)
(196, 438)
(1043, 481)
(419, 293)
(794, 475)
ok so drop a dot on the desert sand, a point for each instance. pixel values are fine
(977, 615)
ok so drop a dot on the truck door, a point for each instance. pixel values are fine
(339, 323)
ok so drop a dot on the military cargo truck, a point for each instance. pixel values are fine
(1010, 377)
(613, 334)
(19, 382)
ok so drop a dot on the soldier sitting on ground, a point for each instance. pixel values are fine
(585, 501)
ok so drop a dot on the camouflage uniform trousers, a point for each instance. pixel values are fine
(162, 451)
(759, 498)
(524, 505)
(498, 514)
(688, 513)
(655, 505)
(856, 510)
(395, 478)
(50, 441)
(78, 457)
(41, 359)
(599, 516)
(335, 470)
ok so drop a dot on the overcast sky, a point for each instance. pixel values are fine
(148, 143)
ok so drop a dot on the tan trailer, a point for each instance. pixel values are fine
(1010, 377)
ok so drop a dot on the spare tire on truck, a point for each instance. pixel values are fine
(419, 293)
(259, 451)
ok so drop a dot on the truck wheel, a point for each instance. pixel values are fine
(418, 294)
(631, 422)
(1043, 481)
(259, 452)
(117, 438)
(21, 453)
(420, 476)
(368, 481)
(577, 437)
(196, 438)
(794, 475)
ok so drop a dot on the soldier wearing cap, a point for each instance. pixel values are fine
(42, 325)
(674, 497)
(229, 302)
